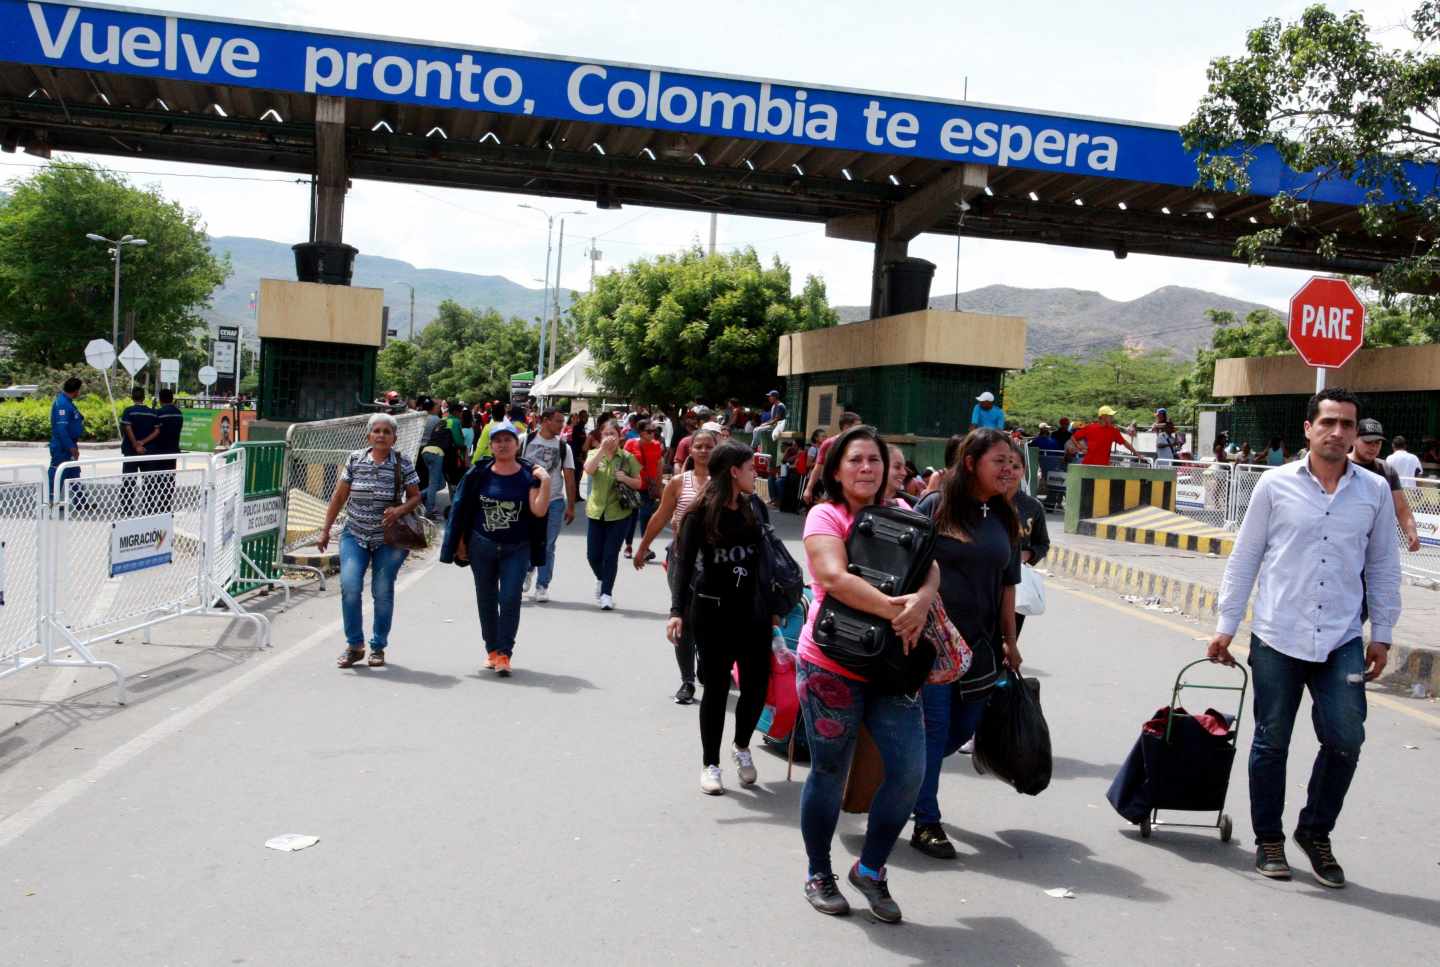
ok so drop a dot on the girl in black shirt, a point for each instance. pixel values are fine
(718, 601)
(975, 546)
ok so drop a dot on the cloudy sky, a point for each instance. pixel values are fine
(1140, 60)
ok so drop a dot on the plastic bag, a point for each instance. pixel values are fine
(1013, 741)
(1030, 595)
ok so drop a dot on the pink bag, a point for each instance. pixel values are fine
(782, 705)
(952, 654)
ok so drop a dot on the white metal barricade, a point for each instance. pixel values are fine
(1423, 493)
(23, 514)
(128, 550)
(314, 454)
(1202, 490)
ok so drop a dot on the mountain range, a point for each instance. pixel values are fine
(253, 259)
(1079, 322)
(1069, 321)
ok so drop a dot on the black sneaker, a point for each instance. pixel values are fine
(825, 896)
(877, 894)
(685, 694)
(1270, 860)
(930, 839)
(1322, 861)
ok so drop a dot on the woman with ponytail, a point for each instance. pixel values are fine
(720, 605)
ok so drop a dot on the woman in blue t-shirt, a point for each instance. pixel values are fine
(489, 531)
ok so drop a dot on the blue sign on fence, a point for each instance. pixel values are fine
(152, 44)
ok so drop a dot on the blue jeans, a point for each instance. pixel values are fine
(641, 518)
(383, 562)
(499, 572)
(554, 520)
(1337, 695)
(435, 467)
(949, 724)
(834, 708)
(602, 549)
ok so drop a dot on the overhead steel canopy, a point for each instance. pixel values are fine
(874, 167)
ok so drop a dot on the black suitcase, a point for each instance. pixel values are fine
(891, 549)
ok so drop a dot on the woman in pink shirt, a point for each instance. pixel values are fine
(836, 702)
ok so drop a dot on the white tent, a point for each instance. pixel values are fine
(572, 379)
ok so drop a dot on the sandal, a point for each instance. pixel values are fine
(348, 658)
(377, 659)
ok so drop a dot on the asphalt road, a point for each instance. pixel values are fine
(555, 817)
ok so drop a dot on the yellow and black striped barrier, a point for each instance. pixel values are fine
(1161, 528)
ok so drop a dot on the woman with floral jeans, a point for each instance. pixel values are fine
(836, 702)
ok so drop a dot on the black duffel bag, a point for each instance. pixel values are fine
(891, 549)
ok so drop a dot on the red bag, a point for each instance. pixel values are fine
(782, 705)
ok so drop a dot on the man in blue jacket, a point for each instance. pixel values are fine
(66, 428)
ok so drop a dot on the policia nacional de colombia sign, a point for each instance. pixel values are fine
(141, 542)
(275, 57)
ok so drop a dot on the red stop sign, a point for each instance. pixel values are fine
(1327, 322)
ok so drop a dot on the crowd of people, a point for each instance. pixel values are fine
(519, 482)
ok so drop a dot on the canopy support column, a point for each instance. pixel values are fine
(331, 170)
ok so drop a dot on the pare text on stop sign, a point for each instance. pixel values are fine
(1326, 322)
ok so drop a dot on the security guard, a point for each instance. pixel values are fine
(66, 428)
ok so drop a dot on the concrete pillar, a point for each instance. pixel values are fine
(331, 171)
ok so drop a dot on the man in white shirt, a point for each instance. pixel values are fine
(1312, 528)
(1405, 464)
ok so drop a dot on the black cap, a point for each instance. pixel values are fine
(1370, 429)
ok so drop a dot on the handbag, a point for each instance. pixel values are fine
(1030, 595)
(782, 582)
(406, 531)
(953, 656)
(626, 495)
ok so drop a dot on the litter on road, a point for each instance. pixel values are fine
(1061, 893)
(290, 842)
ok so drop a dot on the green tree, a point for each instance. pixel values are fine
(1134, 383)
(690, 326)
(397, 367)
(1335, 103)
(56, 287)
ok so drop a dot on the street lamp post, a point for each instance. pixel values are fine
(412, 306)
(545, 294)
(118, 244)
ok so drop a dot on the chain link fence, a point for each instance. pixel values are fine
(316, 453)
(1423, 493)
(22, 516)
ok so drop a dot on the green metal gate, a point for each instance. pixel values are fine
(261, 542)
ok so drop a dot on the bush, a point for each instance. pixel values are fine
(30, 419)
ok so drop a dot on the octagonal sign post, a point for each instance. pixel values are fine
(1327, 324)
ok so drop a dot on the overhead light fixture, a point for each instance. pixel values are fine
(698, 157)
(599, 148)
(895, 180)
(1034, 197)
(1164, 210)
(845, 172)
(749, 164)
(648, 153)
(989, 192)
(1079, 203)
(1123, 207)
(1210, 216)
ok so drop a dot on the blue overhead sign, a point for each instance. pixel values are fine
(152, 44)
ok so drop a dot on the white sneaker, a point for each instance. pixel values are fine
(710, 783)
(745, 765)
(542, 594)
(607, 603)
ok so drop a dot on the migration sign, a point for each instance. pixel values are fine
(213, 51)
(141, 542)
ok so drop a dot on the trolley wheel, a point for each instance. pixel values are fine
(1226, 828)
(1145, 828)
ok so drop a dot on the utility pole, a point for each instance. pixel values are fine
(555, 332)
(545, 303)
(714, 220)
(594, 257)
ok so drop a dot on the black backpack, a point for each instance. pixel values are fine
(782, 582)
(891, 548)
